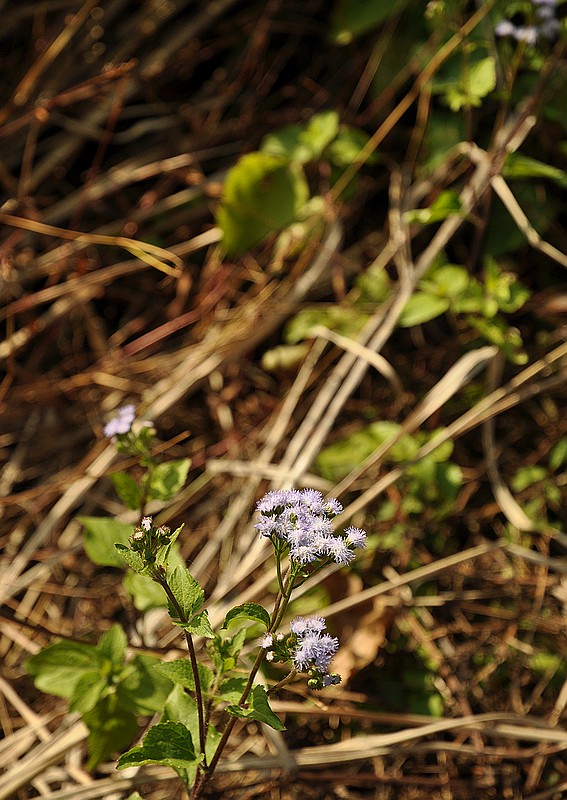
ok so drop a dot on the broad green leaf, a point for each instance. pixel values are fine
(287, 143)
(259, 710)
(167, 743)
(340, 458)
(262, 194)
(248, 611)
(101, 533)
(528, 476)
(88, 690)
(111, 729)
(133, 560)
(422, 307)
(127, 489)
(352, 18)
(231, 689)
(58, 668)
(478, 79)
(374, 285)
(112, 645)
(167, 479)
(449, 280)
(187, 591)
(141, 688)
(181, 673)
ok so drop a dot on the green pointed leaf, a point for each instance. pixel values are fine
(100, 535)
(133, 560)
(421, 308)
(262, 194)
(187, 591)
(168, 479)
(127, 490)
(59, 667)
(167, 743)
(445, 205)
(259, 710)
(181, 673)
(248, 611)
(181, 707)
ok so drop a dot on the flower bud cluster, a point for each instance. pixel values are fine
(308, 647)
(301, 520)
(147, 540)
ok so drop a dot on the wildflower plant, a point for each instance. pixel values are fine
(201, 696)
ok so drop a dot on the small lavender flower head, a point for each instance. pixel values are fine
(311, 650)
(301, 520)
(121, 423)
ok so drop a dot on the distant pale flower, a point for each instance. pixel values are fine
(121, 423)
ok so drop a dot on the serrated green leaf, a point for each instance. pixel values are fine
(167, 743)
(262, 194)
(180, 672)
(59, 667)
(187, 591)
(167, 479)
(421, 308)
(133, 560)
(127, 490)
(248, 611)
(181, 707)
(200, 625)
(101, 533)
(259, 710)
(141, 688)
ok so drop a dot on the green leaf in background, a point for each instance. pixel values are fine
(187, 591)
(141, 689)
(262, 194)
(231, 689)
(59, 667)
(112, 645)
(345, 320)
(346, 147)
(338, 459)
(558, 455)
(352, 18)
(181, 707)
(303, 143)
(180, 672)
(248, 611)
(445, 205)
(101, 533)
(374, 285)
(519, 166)
(88, 690)
(145, 592)
(167, 743)
(111, 729)
(259, 710)
(167, 479)
(448, 280)
(422, 307)
(478, 79)
(127, 490)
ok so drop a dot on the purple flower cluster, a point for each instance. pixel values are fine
(308, 647)
(121, 423)
(545, 26)
(302, 520)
